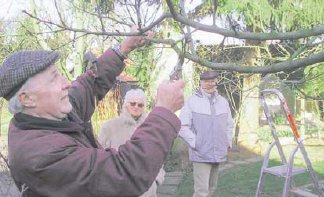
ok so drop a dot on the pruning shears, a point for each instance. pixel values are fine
(177, 70)
(176, 73)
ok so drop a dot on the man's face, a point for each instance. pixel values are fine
(135, 107)
(48, 94)
(209, 85)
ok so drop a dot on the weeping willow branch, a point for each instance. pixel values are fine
(316, 31)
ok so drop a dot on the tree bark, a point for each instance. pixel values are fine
(249, 112)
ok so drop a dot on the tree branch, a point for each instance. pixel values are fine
(316, 31)
(117, 33)
(273, 68)
(290, 64)
(308, 96)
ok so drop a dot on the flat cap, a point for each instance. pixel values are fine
(20, 66)
(208, 75)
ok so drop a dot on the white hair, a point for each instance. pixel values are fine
(139, 93)
(14, 105)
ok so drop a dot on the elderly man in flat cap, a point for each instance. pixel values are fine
(206, 126)
(52, 148)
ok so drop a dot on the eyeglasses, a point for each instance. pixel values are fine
(133, 104)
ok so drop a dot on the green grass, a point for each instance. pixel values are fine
(242, 180)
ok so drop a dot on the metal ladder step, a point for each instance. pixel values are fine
(281, 171)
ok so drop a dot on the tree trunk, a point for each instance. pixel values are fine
(249, 113)
(250, 104)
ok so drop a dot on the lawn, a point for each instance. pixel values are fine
(242, 180)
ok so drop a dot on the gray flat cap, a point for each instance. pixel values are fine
(20, 66)
(208, 75)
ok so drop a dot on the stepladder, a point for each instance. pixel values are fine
(287, 169)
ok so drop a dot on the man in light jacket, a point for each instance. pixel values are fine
(117, 131)
(206, 126)
(52, 149)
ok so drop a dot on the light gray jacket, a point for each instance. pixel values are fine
(208, 135)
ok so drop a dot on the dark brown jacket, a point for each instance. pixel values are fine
(62, 158)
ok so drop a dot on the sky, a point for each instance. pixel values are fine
(10, 8)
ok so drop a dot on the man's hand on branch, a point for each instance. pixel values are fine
(132, 42)
(170, 95)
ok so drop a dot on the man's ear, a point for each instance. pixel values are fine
(26, 100)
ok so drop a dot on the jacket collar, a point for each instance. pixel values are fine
(28, 122)
(129, 120)
(200, 93)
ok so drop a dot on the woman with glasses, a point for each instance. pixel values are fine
(118, 131)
